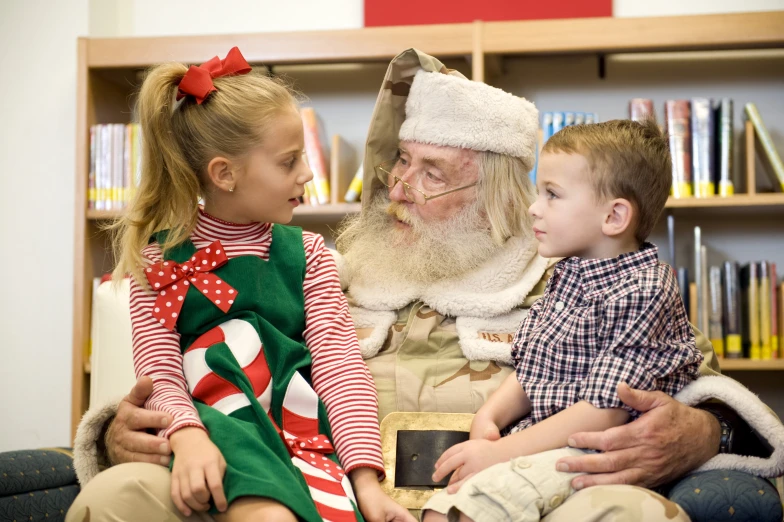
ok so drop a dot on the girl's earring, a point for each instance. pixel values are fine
(231, 189)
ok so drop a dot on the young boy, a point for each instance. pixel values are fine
(611, 316)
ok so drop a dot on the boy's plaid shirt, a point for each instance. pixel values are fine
(601, 322)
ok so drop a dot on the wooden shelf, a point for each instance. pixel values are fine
(738, 200)
(311, 47)
(749, 364)
(617, 35)
(337, 210)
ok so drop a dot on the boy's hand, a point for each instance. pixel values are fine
(373, 503)
(468, 458)
(197, 473)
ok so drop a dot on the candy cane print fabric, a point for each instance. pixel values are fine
(329, 486)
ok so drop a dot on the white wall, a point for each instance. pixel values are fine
(38, 65)
(37, 136)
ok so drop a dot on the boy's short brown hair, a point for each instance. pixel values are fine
(628, 159)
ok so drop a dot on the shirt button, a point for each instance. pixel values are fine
(522, 464)
(556, 501)
(559, 306)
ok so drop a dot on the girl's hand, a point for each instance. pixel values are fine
(197, 473)
(374, 504)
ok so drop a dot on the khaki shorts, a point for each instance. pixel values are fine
(525, 488)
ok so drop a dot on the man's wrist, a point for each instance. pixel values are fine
(721, 436)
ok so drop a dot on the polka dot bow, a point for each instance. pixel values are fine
(171, 280)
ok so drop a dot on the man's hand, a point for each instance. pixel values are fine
(126, 439)
(667, 441)
(373, 503)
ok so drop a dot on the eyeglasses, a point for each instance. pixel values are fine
(391, 171)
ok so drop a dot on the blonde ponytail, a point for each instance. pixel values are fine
(178, 141)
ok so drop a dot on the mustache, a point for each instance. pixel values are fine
(400, 212)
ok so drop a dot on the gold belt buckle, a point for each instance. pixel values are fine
(414, 421)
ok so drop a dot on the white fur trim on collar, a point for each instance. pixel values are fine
(493, 289)
(447, 110)
(753, 411)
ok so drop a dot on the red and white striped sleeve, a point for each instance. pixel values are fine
(340, 377)
(156, 353)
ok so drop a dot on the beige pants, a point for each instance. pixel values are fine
(141, 492)
(529, 489)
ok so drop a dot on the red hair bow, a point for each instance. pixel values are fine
(171, 280)
(197, 82)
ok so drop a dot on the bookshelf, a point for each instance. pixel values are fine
(352, 63)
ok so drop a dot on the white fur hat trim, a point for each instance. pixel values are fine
(447, 110)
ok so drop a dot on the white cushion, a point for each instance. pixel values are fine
(112, 375)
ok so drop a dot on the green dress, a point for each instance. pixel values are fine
(248, 371)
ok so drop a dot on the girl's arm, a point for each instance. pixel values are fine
(340, 377)
(156, 353)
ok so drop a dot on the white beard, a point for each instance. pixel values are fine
(375, 250)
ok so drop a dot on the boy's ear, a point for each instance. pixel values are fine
(619, 217)
(220, 173)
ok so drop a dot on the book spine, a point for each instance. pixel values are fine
(699, 304)
(764, 310)
(767, 144)
(733, 347)
(726, 185)
(702, 147)
(315, 151)
(569, 119)
(579, 118)
(558, 121)
(671, 239)
(640, 109)
(91, 175)
(715, 311)
(355, 187)
(774, 313)
(677, 123)
(750, 302)
(683, 286)
(781, 320)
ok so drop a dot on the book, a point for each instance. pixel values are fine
(724, 154)
(699, 303)
(591, 117)
(715, 310)
(731, 316)
(702, 147)
(764, 310)
(355, 187)
(775, 166)
(677, 116)
(91, 176)
(671, 239)
(781, 319)
(317, 156)
(641, 109)
(683, 286)
(558, 122)
(579, 118)
(775, 328)
(703, 287)
(749, 296)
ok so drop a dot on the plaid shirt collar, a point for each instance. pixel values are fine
(596, 275)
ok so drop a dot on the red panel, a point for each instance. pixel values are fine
(417, 12)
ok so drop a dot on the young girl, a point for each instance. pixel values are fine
(235, 317)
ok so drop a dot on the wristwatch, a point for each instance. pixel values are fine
(727, 433)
